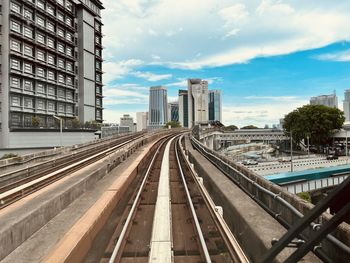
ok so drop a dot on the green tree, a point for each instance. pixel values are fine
(173, 124)
(317, 121)
(250, 127)
(76, 122)
(35, 121)
(230, 128)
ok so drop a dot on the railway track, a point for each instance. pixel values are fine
(21, 186)
(171, 218)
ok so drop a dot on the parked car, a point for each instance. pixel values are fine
(250, 162)
(332, 157)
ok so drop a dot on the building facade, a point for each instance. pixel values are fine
(346, 105)
(183, 108)
(158, 105)
(173, 111)
(215, 105)
(197, 101)
(51, 65)
(141, 121)
(127, 121)
(326, 100)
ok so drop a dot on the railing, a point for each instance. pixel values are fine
(269, 197)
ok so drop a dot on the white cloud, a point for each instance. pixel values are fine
(342, 56)
(262, 113)
(125, 94)
(151, 76)
(116, 70)
(223, 32)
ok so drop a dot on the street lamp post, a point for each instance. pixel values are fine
(60, 119)
(346, 145)
(291, 151)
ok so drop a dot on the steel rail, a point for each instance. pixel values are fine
(23, 190)
(296, 212)
(116, 250)
(232, 244)
(189, 200)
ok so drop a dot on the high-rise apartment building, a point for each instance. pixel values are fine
(326, 100)
(346, 105)
(141, 121)
(51, 65)
(197, 101)
(158, 103)
(215, 105)
(173, 111)
(183, 108)
(127, 121)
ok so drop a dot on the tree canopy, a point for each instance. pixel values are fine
(250, 127)
(230, 128)
(173, 124)
(317, 121)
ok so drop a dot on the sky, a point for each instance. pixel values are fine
(267, 56)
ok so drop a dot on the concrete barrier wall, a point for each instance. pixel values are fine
(235, 171)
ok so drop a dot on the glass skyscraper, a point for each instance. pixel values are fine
(214, 105)
(158, 107)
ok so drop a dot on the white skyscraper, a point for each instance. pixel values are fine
(346, 105)
(141, 120)
(197, 101)
(326, 100)
(128, 121)
(158, 107)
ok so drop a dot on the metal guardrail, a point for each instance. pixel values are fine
(278, 208)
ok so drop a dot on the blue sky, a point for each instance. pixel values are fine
(267, 56)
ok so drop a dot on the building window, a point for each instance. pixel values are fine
(98, 90)
(60, 93)
(15, 101)
(15, 64)
(15, 120)
(15, 26)
(28, 85)
(27, 121)
(69, 37)
(60, 2)
(98, 102)
(28, 14)
(40, 4)
(69, 66)
(51, 75)
(40, 55)
(60, 32)
(51, 91)
(15, 45)
(50, 9)
(51, 59)
(60, 47)
(69, 6)
(40, 72)
(69, 109)
(60, 16)
(28, 68)
(15, 82)
(98, 52)
(60, 107)
(98, 77)
(40, 38)
(69, 95)
(28, 50)
(28, 103)
(60, 78)
(50, 27)
(69, 81)
(15, 7)
(98, 114)
(40, 88)
(98, 64)
(28, 32)
(50, 106)
(69, 21)
(40, 21)
(69, 51)
(51, 42)
(41, 104)
(60, 63)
